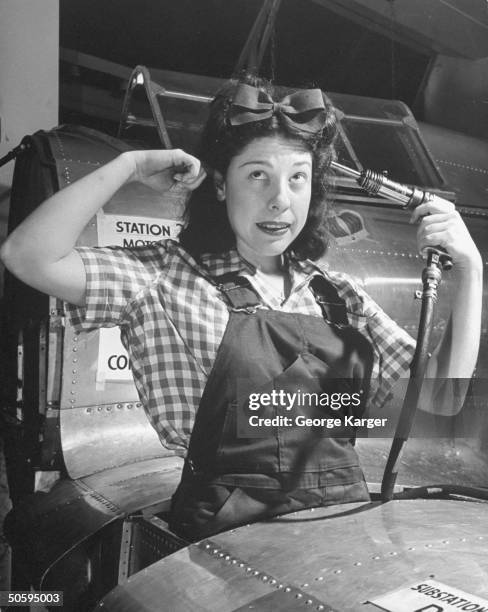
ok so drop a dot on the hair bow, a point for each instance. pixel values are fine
(304, 109)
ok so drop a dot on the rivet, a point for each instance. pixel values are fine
(264, 578)
(319, 578)
(287, 589)
(120, 406)
(445, 541)
(298, 596)
(234, 561)
(272, 581)
(73, 371)
(321, 607)
(241, 564)
(109, 408)
(393, 554)
(376, 557)
(337, 571)
(72, 393)
(256, 573)
(75, 349)
(309, 601)
(75, 360)
(428, 546)
(138, 405)
(129, 406)
(221, 555)
(227, 557)
(358, 563)
(412, 548)
(88, 409)
(215, 551)
(75, 339)
(279, 586)
(99, 408)
(480, 537)
(462, 539)
(248, 570)
(71, 401)
(305, 584)
(73, 382)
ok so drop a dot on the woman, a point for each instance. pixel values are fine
(239, 309)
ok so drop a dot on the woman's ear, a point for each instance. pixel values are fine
(219, 186)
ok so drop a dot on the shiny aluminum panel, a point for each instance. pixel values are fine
(44, 527)
(96, 438)
(337, 557)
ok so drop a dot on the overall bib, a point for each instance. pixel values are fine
(233, 475)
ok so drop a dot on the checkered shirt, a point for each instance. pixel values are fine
(172, 320)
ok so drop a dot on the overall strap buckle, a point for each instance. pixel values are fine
(239, 294)
(332, 306)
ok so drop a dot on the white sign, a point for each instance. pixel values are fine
(127, 231)
(430, 596)
(113, 361)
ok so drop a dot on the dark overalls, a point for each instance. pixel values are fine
(233, 475)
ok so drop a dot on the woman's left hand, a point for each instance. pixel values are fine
(442, 225)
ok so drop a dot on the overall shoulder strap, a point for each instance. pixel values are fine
(238, 292)
(333, 307)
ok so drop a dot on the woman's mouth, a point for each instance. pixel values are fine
(274, 228)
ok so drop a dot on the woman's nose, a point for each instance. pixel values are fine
(280, 197)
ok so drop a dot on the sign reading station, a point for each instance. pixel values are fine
(127, 231)
(429, 596)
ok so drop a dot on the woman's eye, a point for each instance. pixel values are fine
(299, 177)
(258, 174)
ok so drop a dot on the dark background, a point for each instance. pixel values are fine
(310, 46)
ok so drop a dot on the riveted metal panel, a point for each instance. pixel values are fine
(96, 438)
(335, 557)
(45, 527)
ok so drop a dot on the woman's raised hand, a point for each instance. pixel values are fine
(441, 225)
(166, 169)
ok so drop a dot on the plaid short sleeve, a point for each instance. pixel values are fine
(114, 276)
(393, 346)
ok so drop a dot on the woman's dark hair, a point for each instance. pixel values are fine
(207, 228)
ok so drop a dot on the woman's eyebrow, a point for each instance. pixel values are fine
(265, 162)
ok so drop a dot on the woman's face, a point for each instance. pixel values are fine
(267, 190)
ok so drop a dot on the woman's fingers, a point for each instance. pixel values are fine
(164, 170)
(186, 166)
(186, 180)
(447, 230)
(435, 205)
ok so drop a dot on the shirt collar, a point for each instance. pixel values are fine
(218, 264)
(232, 262)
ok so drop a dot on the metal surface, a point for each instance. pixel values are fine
(145, 540)
(96, 438)
(463, 161)
(453, 27)
(338, 557)
(47, 526)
